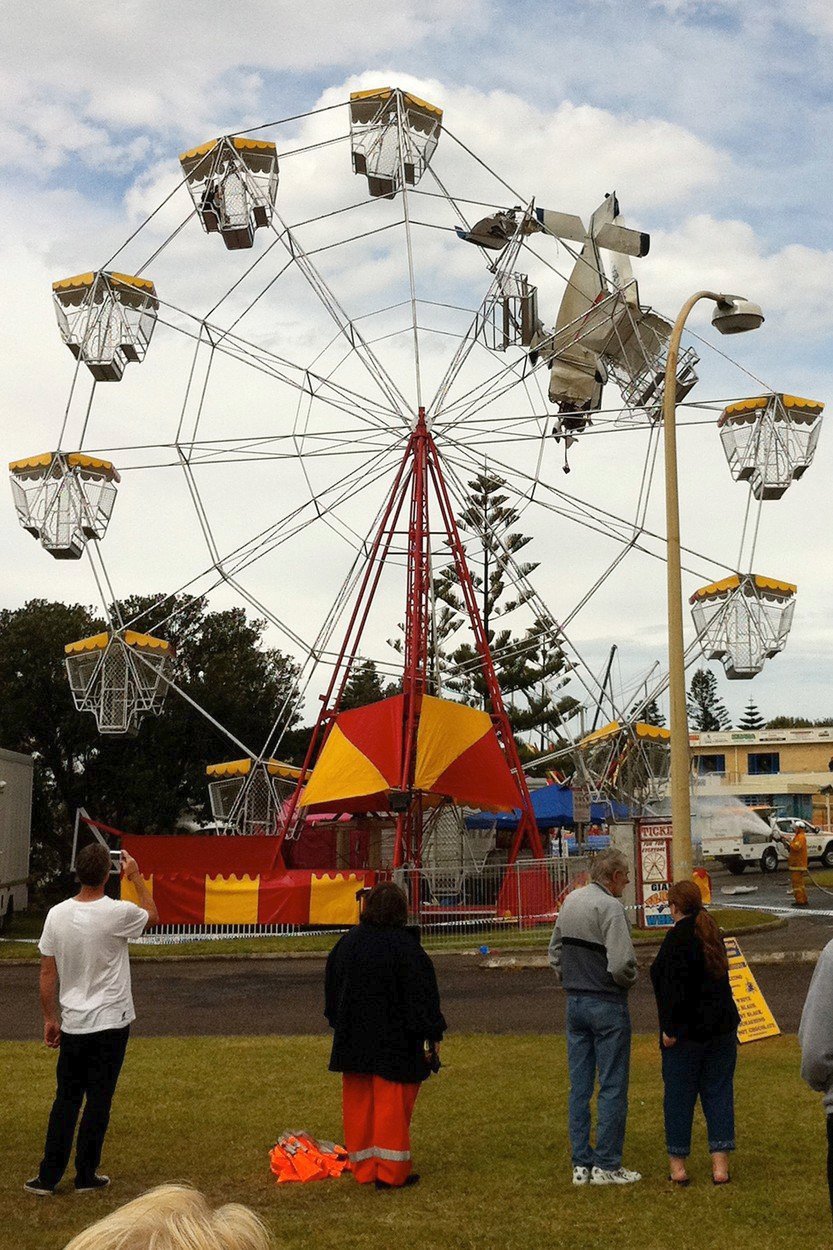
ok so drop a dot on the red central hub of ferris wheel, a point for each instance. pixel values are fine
(419, 476)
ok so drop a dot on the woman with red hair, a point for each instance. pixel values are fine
(698, 1023)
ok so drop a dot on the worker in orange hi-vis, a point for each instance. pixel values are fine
(382, 1002)
(797, 865)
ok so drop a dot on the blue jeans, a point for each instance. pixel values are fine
(598, 1039)
(706, 1069)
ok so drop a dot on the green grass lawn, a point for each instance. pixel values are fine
(489, 1140)
(508, 938)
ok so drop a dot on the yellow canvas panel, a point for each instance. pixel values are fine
(772, 584)
(129, 894)
(231, 900)
(97, 643)
(146, 640)
(381, 93)
(332, 899)
(717, 588)
(656, 732)
(71, 284)
(445, 731)
(31, 462)
(254, 145)
(231, 768)
(598, 735)
(342, 772)
(128, 279)
(416, 102)
(202, 150)
(795, 401)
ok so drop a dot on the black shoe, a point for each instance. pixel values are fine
(97, 1182)
(413, 1179)
(36, 1186)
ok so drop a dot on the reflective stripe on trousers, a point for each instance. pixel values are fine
(377, 1119)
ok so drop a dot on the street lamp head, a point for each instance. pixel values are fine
(733, 315)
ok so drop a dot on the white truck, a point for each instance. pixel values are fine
(16, 773)
(753, 839)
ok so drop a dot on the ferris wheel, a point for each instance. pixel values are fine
(380, 317)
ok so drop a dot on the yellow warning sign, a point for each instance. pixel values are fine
(756, 1019)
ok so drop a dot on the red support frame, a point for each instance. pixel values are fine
(420, 465)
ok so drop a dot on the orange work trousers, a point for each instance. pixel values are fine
(798, 887)
(377, 1124)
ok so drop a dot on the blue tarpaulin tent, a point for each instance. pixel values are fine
(553, 806)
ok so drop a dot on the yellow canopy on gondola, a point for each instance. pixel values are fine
(32, 465)
(641, 729)
(99, 642)
(241, 768)
(767, 585)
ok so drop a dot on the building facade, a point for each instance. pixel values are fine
(786, 768)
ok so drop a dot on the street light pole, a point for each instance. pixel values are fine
(732, 315)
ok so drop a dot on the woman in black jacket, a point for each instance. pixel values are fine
(382, 1002)
(698, 1023)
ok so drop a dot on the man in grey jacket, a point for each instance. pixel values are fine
(815, 1033)
(592, 955)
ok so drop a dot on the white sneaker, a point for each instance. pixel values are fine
(621, 1176)
(581, 1175)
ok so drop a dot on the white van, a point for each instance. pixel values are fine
(16, 772)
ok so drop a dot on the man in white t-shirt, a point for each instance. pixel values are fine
(85, 969)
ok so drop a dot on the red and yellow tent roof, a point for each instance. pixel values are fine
(458, 757)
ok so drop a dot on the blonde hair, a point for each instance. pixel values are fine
(175, 1217)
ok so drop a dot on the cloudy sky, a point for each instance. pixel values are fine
(712, 122)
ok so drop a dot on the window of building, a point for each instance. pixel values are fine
(707, 764)
(763, 763)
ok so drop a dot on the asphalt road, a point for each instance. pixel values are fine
(285, 997)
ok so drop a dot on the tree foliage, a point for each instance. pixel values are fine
(364, 685)
(706, 712)
(649, 713)
(531, 667)
(751, 718)
(148, 782)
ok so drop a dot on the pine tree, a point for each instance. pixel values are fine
(706, 712)
(751, 718)
(648, 713)
(364, 685)
(530, 668)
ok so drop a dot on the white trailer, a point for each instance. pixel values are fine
(16, 772)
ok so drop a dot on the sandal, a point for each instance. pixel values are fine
(682, 1181)
(722, 1181)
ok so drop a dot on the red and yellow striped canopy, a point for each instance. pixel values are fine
(458, 757)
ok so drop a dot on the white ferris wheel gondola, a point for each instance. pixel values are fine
(393, 135)
(106, 320)
(247, 796)
(770, 440)
(743, 621)
(119, 677)
(233, 182)
(64, 499)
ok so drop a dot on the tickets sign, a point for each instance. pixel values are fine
(756, 1019)
(653, 869)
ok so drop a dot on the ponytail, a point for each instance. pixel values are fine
(714, 952)
(686, 896)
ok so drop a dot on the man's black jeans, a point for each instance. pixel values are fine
(88, 1067)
